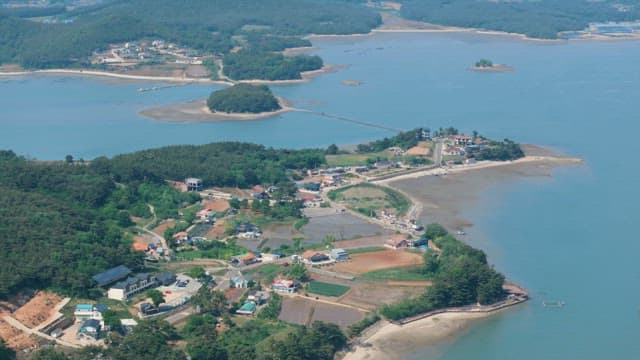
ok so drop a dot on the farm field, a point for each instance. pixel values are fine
(352, 159)
(38, 309)
(371, 296)
(409, 273)
(367, 241)
(371, 261)
(369, 199)
(327, 289)
(304, 311)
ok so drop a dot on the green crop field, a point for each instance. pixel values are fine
(327, 289)
(410, 273)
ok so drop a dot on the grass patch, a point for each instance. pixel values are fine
(411, 273)
(367, 249)
(368, 198)
(354, 159)
(265, 272)
(327, 289)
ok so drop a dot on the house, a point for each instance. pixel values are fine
(134, 285)
(339, 255)
(258, 297)
(90, 328)
(270, 257)
(247, 308)
(331, 179)
(383, 164)
(246, 259)
(397, 242)
(165, 278)
(238, 281)
(418, 242)
(193, 184)
(461, 140)
(85, 312)
(310, 186)
(314, 257)
(246, 227)
(284, 285)
(112, 275)
(395, 150)
(148, 309)
(454, 151)
(181, 237)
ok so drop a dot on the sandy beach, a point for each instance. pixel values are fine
(389, 341)
(197, 111)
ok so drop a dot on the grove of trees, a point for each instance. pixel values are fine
(243, 98)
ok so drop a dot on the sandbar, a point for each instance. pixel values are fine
(197, 111)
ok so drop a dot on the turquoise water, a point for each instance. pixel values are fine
(570, 237)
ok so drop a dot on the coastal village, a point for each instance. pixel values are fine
(316, 268)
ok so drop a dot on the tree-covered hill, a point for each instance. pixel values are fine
(206, 25)
(538, 19)
(243, 98)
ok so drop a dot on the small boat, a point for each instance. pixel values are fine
(557, 304)
(460, 232)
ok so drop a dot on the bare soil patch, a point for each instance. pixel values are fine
(373, 295)
(365, 262)
(217, 205)
(367, 241)
(14, 338)
(160, 229)
(38, 309)
(295, 310)
(335, 314)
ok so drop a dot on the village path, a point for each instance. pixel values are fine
(154, 235)
(20, 326)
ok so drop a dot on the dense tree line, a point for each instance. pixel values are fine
(243, 98)
(251, 64)
(51, 227)
(540, 19)
(501, 151)
(404, 140)
(461, 276)
(206, 25)
(218, 164)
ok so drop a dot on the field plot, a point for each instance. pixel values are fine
(407, 273)
(372, 295)
(303, 311)
(368, 199)
(296, 310)
(368, 241)
(370, 261)
(38, 309)
(335, 314)
(327, 289)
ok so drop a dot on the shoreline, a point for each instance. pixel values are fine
(392, 340)
(197, 112)
(306, 76)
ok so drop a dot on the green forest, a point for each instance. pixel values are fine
(461, 276)
(538, 19)
(213, 26)
(61, 223)
(243, 98)
(251, 64)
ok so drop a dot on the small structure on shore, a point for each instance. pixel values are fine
(193, 184)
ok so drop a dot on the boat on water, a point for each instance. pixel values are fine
(557, 304)
(460, 232)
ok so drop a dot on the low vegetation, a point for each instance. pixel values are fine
(243, 98)
(327, 289)
(397, 274)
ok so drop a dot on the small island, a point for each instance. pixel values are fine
(243, 99)
(485, 65)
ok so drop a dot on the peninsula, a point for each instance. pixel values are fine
(225, 220)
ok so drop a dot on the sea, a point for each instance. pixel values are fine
(570, 237)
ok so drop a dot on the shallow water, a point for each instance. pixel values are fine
(570, 237)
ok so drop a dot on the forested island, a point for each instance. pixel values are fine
(243, 98)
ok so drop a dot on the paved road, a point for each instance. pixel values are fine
(437, 152)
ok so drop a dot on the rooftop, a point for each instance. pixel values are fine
(112, 275)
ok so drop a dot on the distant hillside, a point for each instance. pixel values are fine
(538, 19)
(213, 26)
